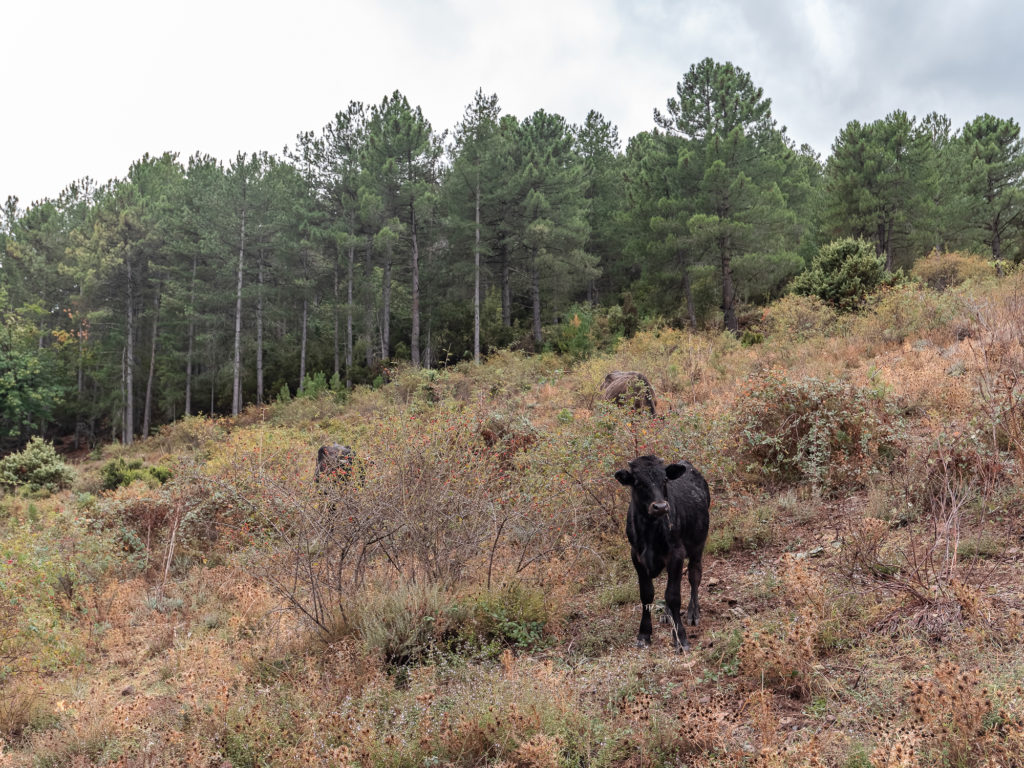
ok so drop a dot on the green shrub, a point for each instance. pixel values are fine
(750, 338)
(399, 625)
(36, 468)
(118, 472)
(844, 273)
(831, 434)
(314, 385)
(512, 617)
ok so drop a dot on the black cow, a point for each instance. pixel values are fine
(334, 461)
(630, 389)
(667, 522)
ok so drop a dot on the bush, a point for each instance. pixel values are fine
(118, 472)
(586, 330)
(940, 271)
(314, 385)
(400, 624)
(514, 616)
(831, 434)
(799, 318)
(904, 312)
(37, 468)
(844, 273)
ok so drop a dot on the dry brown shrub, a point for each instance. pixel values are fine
(829, 433)
(923, 377)
(963, 722)
(782, 659)
(801, 586)
(940, 270)
(998, 364)
(539, 751)
(897, 748)
(798, 318)
(678, 363)
(785, 659)
(901, 313)
(802, 754)
(21, 704)
(189, 432)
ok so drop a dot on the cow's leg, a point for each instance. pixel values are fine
(694, 572)
(673, 602)
(643, 636)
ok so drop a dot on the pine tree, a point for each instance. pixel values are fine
(597, 143)
(740, 158)
(996, 181)
(877, 184)
(472, 185)
(548, 187)
(401, 158)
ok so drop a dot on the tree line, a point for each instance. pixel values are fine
(196, 285)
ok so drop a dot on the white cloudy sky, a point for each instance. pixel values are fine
(88, 86)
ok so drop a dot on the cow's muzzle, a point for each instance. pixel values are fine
(658, 508)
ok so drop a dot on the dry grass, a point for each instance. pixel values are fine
(478, 597)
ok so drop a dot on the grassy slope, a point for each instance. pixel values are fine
(838, 627)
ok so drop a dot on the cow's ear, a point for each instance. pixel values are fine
(675, 470)
(624, 476)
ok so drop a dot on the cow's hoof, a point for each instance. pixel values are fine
(682, 647)
(643, 641)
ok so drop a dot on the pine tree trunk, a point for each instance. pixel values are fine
(148, 410)
(506, 290)
(259, 332)
(369, 313)
(535, 286)
(996, 241)
(476, 282)
(213, 379)
(124, 399)
(129, 362)
(888, 246)
(728, 291)
(191, 337)
(385, 333)
(81, 380)
(236, 392)
(415, 341)
(348, 320)
(688, 289)
(337, 324)
(302, 352)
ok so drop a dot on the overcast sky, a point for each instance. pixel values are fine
(89, 86)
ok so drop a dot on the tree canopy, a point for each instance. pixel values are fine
(202, 285)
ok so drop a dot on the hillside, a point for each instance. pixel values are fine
(462, 601)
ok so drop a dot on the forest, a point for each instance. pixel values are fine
(196, 285)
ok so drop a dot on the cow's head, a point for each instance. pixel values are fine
(648, 478)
